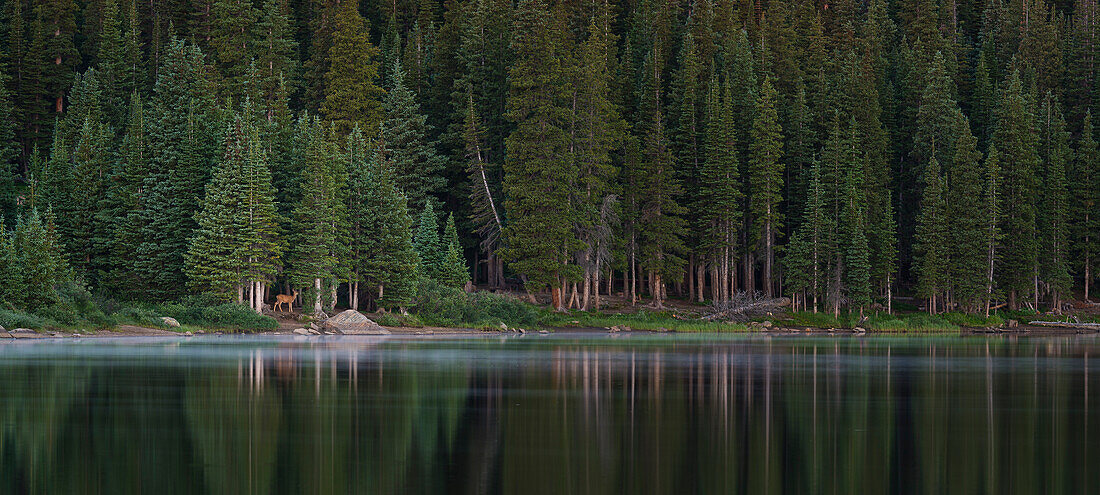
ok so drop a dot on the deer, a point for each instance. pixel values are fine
(285, 299)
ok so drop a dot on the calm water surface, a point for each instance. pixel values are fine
(665, 414)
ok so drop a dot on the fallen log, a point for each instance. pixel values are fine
(1066, 324)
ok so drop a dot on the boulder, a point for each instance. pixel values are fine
(188, 333)
(352, 322)
(2, 328)
(21, 330)
(168, 320)
(301, 331)
(620, 328)
(314, 332)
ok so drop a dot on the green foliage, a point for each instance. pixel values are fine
(380, 228)
(237, 238)
(440, 305)
(429, 247)
(538, 176)
(454, 272)
(405, 137)
(352, 96)
(1015, 139)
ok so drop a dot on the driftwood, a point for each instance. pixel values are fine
(1066, 324)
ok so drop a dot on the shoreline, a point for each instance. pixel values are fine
(130, 331)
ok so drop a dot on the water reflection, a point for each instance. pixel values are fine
(561, 414)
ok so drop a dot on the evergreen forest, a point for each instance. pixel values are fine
(841, 153)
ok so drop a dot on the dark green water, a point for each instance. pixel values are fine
(551, 415)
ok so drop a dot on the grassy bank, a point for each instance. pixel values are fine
(77, 309)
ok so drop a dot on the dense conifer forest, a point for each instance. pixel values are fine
(837, 152)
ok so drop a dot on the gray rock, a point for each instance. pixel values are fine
(168, 320)
(2, 328)
(188, 333)
(21, 330)
(301, 331)
(352, 322)
(314, 332)
(767, 324)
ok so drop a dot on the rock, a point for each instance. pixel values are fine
(314, 332)
(301, 331)
(313, 326)
(1013, 324)
(200, 332)
(859, 330)
(767, 324)
(76, 335)
(22, 330)
(522, 331)
(620, 328)
(352, 322)
(544, 332)
(2, 328)
(188, 334)
(503, 327)
(168, 320)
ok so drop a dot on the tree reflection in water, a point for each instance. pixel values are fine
(560, 414)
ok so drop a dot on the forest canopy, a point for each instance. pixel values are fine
(840, 153)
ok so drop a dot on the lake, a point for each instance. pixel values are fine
(550, 414)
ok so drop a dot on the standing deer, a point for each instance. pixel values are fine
(285, 299)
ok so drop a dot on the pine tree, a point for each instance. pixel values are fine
(853, 229)
(455, 273)
(1086, 199)
(11, 270)
(719, 206)
(275, 52)
(405, 141)
(126, 195)
(59, 23)
(40, 261)
(1014, 138)
(661, 227)
(232, 24)
(312, 257)
(351, 92)
(90, 237)
(966, 236)
(538, 176)
(429, 248)
(766, 179)
(931, 238)
(486, 212)
(380, 228)
(236, 244)
(1053, 217)
(992, 210)
(185, 130)
(807, 247)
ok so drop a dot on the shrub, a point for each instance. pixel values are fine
(447, 306)
(11, 319)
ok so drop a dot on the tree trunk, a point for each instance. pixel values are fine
(317, 295)
(768, 257)
(240, 294)
(555, 298)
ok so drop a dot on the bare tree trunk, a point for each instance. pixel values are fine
(240, 294)
(596, 286)
(587, 287)
(889, 296)
(691, 277)
(317, 295)
(658, 290)
(768, 256)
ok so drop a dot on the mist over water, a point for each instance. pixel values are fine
(565, 413)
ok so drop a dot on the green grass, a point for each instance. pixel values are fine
(642, 320)
(78, 310)
(916, 322)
